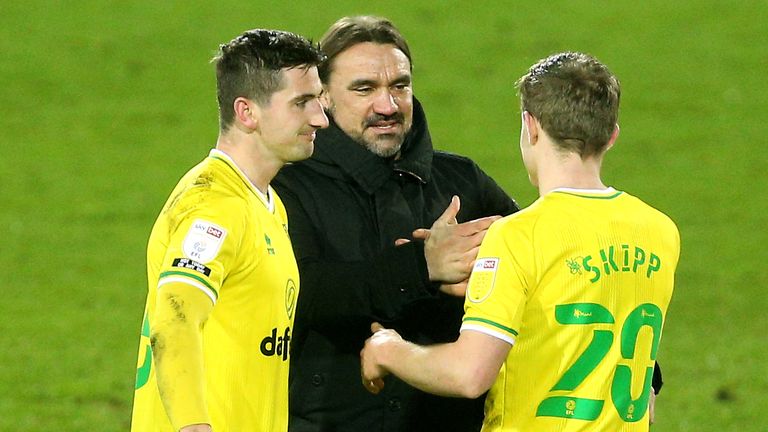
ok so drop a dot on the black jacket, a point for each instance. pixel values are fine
(346, 207)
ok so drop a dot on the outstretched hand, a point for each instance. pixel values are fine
(450, 248)
(458, 289)
(371, 370)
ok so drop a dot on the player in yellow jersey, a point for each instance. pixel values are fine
(223, 280)
(567, 299)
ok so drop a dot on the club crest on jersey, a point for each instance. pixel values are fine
(203, 241)
(290, 297)
(482, 280)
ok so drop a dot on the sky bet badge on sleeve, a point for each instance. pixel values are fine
(482, 279)
(203, 241)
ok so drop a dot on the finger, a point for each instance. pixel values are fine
(468, 258)
(374, 386)
(457, 290)
(376, 327)
(493, 218)
(652, 407)
(400, 242)
(474, 240)
(449, 215)
(421, 234)
(477, 225)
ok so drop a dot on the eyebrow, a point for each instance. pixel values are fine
(402, 79)
(305, 97)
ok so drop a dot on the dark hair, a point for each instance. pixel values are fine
(575, 98)
(350, 31)
(251, 65)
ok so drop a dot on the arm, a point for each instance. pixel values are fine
(495, 200)
(465, 368)
(180, 312)
(377, 285)
(395, 277)
(450, 248)
(656, 384)
(335, 293)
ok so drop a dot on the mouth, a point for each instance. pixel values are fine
(384, 126)
(310, 136)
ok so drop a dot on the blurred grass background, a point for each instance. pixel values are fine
(105, 104)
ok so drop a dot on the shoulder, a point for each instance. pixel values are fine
(455, 165)
(298, 176)
(205, 187)
(204, 194)
(453, 159)
(652, 213)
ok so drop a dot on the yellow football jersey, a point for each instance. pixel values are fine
(219, 234)
(580, 282)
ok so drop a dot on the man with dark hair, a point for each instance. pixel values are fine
(567, 299)
(385, 228)
(222, 275)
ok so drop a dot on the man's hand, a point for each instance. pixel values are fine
(450, 248)
(371, 370)
(458, 289)
(652, 407)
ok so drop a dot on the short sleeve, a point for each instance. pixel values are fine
(202, 245)
(499, 284)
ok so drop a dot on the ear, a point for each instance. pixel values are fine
(531, 125)
(613, 137)
(324, 99)
(247, 113)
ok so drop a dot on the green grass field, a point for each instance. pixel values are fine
(105, 104)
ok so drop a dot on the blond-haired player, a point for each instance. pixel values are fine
(567, 299)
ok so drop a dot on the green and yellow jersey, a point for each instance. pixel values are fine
(579, 282)
(220, 235)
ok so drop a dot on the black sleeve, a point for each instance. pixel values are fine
(495, 200)
(336, 294)
(657, 382)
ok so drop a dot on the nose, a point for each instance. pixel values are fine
(317, 117)
(385, 103)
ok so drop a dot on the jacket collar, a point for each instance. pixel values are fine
(337, 155)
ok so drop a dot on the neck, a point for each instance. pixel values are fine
(259, 169)
(569, 171)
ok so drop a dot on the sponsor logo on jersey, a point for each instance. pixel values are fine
(274, 345)
(270, 249)
(215, 232)
(573, 265)
(482, 280)
(489, 264)
(203, 241)
(191, 264)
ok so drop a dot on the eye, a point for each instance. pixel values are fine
(401, 88)
(363, 90)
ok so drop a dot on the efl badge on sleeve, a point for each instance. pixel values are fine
(482, 279)
(203, 241)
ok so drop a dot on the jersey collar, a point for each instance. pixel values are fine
(267, 199)
(607, 193)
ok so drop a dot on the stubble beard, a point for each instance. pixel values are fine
(382, 145)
